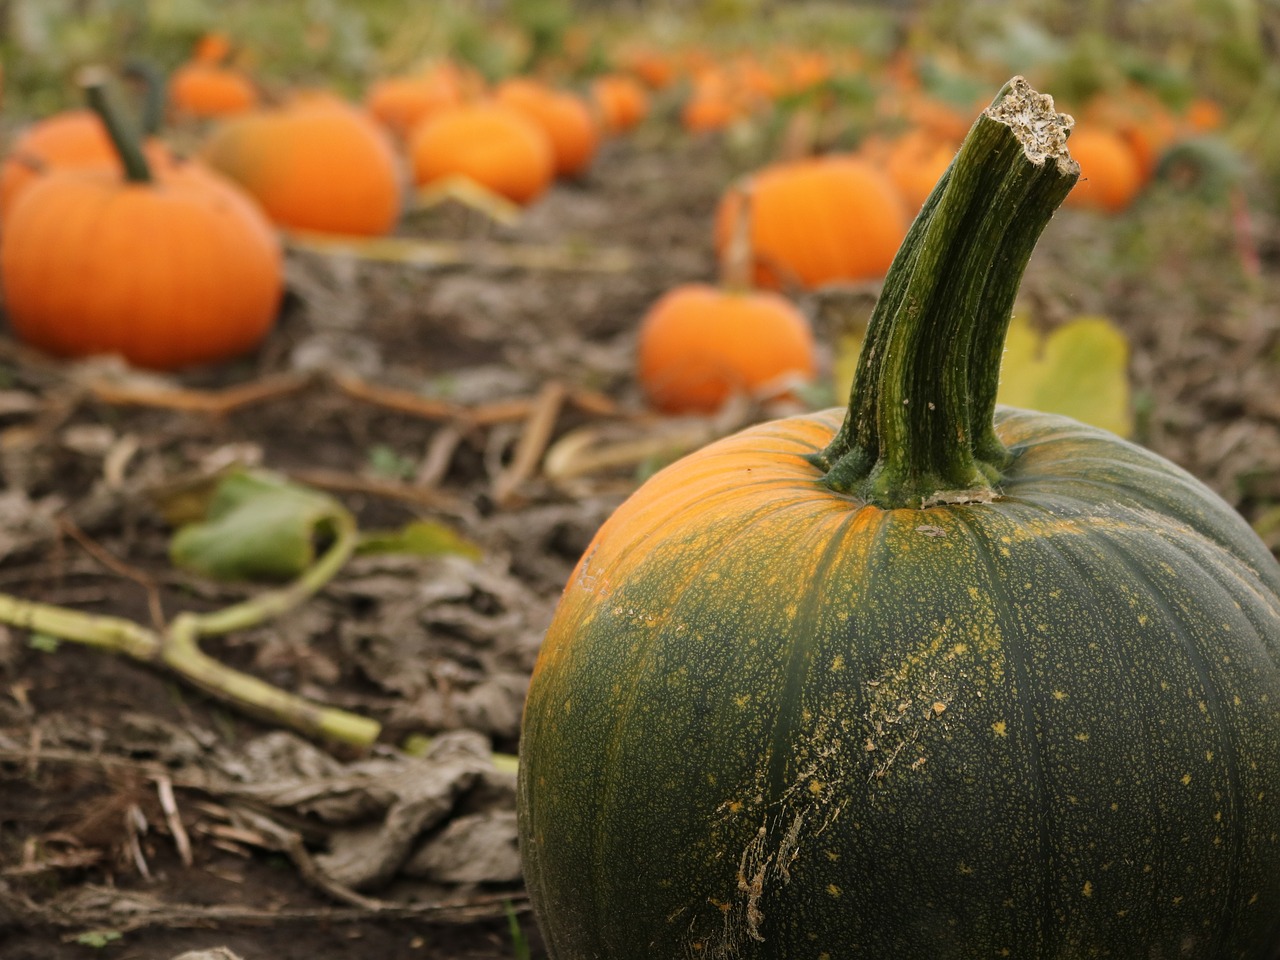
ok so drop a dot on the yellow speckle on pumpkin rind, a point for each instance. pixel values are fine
(1000, 728)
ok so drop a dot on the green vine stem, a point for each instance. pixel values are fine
(93, 81)
(178, 648)
(919, 428)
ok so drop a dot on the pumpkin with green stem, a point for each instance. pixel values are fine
(920, 678)
(77, 139)
(167, 266)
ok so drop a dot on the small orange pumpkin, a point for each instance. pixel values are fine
(493, 144)
(317, 163)
(1203, 115)
(621, 101)
(713, 104)
(401, 103)
(1110, 176)
(698, 344)
(564, 117)
(1138, 118)
(168, 268)
(655, 70)
(205, 87)
(815, 221)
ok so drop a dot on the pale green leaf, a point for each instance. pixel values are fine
(258, 526)
(1079, 370)
(424, 538)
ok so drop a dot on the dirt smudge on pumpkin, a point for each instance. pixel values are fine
(898, 720)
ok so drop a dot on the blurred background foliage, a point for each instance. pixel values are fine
(1226, 49)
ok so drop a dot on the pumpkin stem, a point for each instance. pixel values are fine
(919, 429)
(737, 261)
(93, 80)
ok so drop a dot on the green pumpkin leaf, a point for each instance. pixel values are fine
(1079, 370)
(424, 538)
(258, 526)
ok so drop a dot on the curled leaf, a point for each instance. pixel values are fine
(258, 526)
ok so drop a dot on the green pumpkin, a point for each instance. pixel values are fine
(933, 680)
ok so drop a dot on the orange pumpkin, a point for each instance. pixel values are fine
(914, 162)
(205, 87)
(1138, 118)
(401, 103)
(654, 69)
(168, 268)
(621, 101)
(565, 118)
(1110, 176)
(495, 145)
(816, 221)
(1203, 115)
(713, 104)
(698, 345)
(68, 140)
(317, 163)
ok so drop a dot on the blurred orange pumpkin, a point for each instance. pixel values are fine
(1110, 177)
(493, 144)
(654, 69)
(205, 87)
(317, 163)
(699, 344)
(713, 104)
(621, 101)
(564, 117)
(1140, 119)
(169, 268)
(1203, 115)
(820, 220)
(401, 103)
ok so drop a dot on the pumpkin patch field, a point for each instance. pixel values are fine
(727, 479)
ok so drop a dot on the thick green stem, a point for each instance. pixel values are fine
(919, 428)
(94, 83)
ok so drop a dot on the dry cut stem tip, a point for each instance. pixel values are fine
(1038, 126)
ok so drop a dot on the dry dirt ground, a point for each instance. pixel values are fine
(140, 819)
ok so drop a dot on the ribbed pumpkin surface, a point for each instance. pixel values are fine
(772, 722)
(183, 271)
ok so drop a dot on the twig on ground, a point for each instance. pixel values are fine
(214, 402)
(534, 438)
(169, 804)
